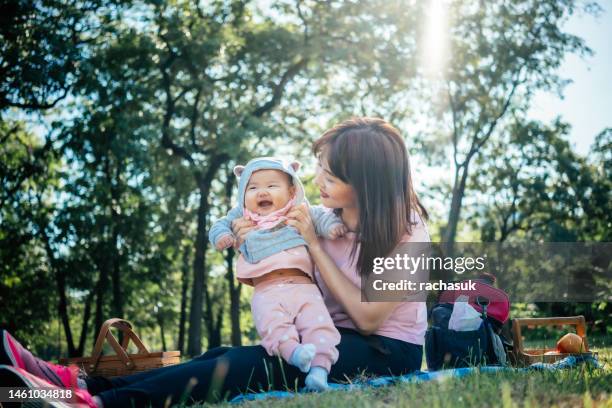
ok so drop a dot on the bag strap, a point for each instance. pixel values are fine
(120, 349)
(496, 352)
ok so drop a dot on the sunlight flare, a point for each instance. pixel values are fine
(435, 47)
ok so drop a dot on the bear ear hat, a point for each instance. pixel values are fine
(238, 170)
(295, 165)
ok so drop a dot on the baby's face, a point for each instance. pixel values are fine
(268, 191)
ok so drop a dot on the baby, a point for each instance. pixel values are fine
(289, 312)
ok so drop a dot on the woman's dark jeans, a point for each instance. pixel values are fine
(224, 372)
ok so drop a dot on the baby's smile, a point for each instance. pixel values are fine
(265, 205)
(268, 191)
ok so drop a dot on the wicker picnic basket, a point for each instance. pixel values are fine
(524, 357)
(121, 363)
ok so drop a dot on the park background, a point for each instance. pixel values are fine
(120, 123)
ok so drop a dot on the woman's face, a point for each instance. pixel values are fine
(334, 192)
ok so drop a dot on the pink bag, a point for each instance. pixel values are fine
(486, 295)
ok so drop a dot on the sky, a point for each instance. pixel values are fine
(587, 102)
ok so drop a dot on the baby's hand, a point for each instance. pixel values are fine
(337, 231)
(225, 242)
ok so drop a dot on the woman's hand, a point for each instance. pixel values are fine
(299, 217)
(241, 227)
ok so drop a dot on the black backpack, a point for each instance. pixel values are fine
(445, 348)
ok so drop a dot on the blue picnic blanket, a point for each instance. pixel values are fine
(422, 376)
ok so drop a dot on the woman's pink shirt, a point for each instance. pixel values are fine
(407, 322)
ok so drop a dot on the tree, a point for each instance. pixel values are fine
(146, 106)
(536, 189)
(208, 87)
(524, 182)
(501, 53)
(42, 44)
(221, 75)
(28, 172)
(597, 203)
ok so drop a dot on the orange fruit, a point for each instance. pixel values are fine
(571, 344)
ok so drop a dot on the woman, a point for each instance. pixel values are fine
(363, 174)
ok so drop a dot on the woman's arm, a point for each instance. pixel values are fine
(367, 316)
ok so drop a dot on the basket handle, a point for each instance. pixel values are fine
(577, 321)
(120, 349)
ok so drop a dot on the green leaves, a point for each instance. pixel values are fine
(146, 105)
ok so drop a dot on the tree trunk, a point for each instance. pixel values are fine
(160, 322)
(234, 292)
(62, 305)
(198, 290)
(116, 278)
(214, 337)
(184, 287)
(233, 285)
(85, 325)
(214, 331)
(115, 195)
(101, 288)
(200, 279)
(450, 232)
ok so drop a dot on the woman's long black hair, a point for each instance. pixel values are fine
(370, 155)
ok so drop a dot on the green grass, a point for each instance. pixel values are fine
(582, 386)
